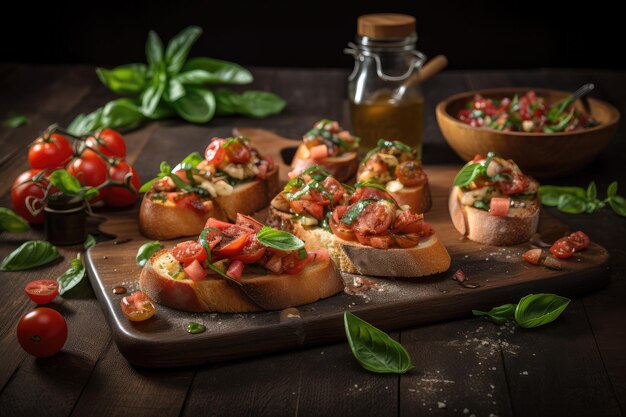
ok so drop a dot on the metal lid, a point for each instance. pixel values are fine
(386, 26)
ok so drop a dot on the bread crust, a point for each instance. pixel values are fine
(258, 292)
(341, 167)
(417, 198)
(480, 226)
(163, 222)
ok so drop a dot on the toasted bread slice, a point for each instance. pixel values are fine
(168, 221)
(260, 291)
(417, 198)
(480, 226)
(341, 167)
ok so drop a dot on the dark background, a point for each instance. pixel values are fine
(473, 34)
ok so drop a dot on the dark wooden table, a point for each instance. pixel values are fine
(575, 367)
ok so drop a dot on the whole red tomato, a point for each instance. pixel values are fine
(26, 195)
(90, 169)
(109, 142)
(50, 152)
(42, 332)
(119, 196)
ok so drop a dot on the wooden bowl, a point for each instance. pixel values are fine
(543, 155)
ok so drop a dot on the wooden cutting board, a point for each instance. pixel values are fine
(495, 275)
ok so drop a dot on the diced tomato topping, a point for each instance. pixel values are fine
(262, 171)
(374, 219)
(275, 263)
(215, 153)
(237, 151)
(319, 152)
(334, 188)
(499, 206)
(182, 175)
(195, 271)
(459, 275)
(247, 221)
(252, 251)
(579, 239)
(188, 251)
(516, 185)
(532, 256)
(307, 207)
(235, 270)
(213, 238)
(363, 193)
(381, 242)
(563, 248)
(407, 240)
(341, 230)
(292, 264)
(319, 255)
(407, 222)
(217, 224)
(228, 248)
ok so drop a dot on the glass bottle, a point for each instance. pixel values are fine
(385, 100)
(65, 219)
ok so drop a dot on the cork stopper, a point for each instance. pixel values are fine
(386, 25)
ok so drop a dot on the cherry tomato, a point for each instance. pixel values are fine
(189, 251)
(115, 196)
(292, 264)
(90, 169)
(252, 223)
(138, 306)
(579, 239)
(217, 224)
(230, 247)
(363, 193)
(307, 207)
(26, 196)
(532, 256)
(411, 174)
(373, 220)
(517, 184)
(563, 248)
(334, 188)
(407, 240)
(251, 252)
(215, 153)
(42, 291)
(235, 270)
(50, 152)
(380, 242)
(42, 332)
(407, 222)
(109, 142)
(237, 151)
(341, 230)
(195, 271)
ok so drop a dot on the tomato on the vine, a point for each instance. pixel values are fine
(137, 306)
(26, 195)
(90, 170)
(50, 152)
(116, 196)
(42, 332)
(42, 291)
(109, 142)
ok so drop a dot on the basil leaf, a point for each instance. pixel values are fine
(218, 71)
(481, 205)
(16, 120)
(11, 222)
(154, 51)
(90, 242)
(370, 184)
(152, 95)
(65, 182)
(178, 48)
(121, 114)
(250, 103)
(612, 190)
(85, 123)
(165, 168)
(618, 204)
(500, 314)
(202, 240)
(189, 162)
(72, 276)
(592, 191)
(31, 254)
(125, 79)
(146, 251)
(89, 193)
(353, 212)
(175, 90)
(569, 203)
(373, 348)
(467, 174)
(197, 106)
(162, 111)
(278, 239)
(146, 186)
(538, 309)
(550, 194)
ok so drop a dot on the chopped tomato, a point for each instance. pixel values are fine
(303, 206)
(516, 185)
(407, 240)
(563, 248)
(138, 306)
(579, 239)
(247, 221)
(217, 224)
(411, 174)
(235, 270)
(339, 212)
(532, 256)
(275, 264)
(374, 219)
(407, 222)
(237, 150)
(262, 170)
(427, 229)
(252, 251)
(459, 275)
(499, 206)
(188, 251)
(319, 255)
(319, 152)
(182, 174)
(381, 242)
(215, 153)
(195, 271)
(231, 247)
(363, 193)
(478, 157)
(341, 230)
(292, 264)
(42, 291)
(269, 160)
(334, 188)
(213, 237)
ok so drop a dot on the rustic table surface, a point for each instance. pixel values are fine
(575, 367)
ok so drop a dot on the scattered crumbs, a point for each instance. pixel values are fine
(493, 368)
(353, 304)
(460, 351)
(213, 315)
(470, 375)
(423, 404)
(360, 389)
(104, 257)
(386, 387)
(293, 393)
(322, 352)
(219, 322)
(253, 316)
(356, 385)
(411, 389)
(524, 373)
(480, 363)
(465, 411)
(466, 256)
(486, 259)
(494, 403)
(437, 371)
(490, 395)
(534, 354)
(114, 269)
(492, 415)
(492, 386)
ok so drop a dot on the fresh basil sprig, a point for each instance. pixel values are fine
(72, 277)
(577, 200)
(16, 120)
(166, 171)
(278, 239)
(533, 310)
(90, 242)
(11, 222)
(373, 348)
(31, 254)
(472, 170)
(204, 242)
(388, 144)
(189, 162)
(146, 251)
(68, 184)
(370, 184)
(170, 84)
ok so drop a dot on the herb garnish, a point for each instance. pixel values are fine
(576, 200)
(533, 310)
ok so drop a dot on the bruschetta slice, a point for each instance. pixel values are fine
(494, 203)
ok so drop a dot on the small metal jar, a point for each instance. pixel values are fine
(65, 219)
